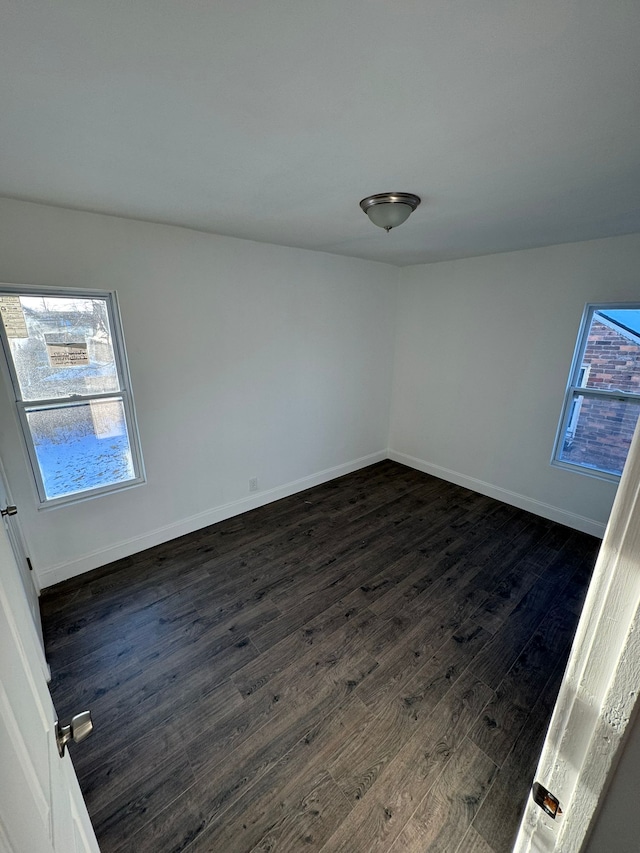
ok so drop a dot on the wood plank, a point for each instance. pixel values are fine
(123, 720)
(499, 817)
(505, 716)
(474, 843)
(377, 819)
(307, 820)
(115, 822)
(331, 638)
(514, 586)
(443, 817)
(358, 763)
(286, 791)
(166, 711)
(507, 644)
(304, 676)
(108, 776)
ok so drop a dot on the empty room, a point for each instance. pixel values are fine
(319, 380)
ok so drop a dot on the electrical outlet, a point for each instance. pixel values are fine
(253, 484)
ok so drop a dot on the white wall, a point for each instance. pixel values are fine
(246, 360)
(255, 360)
(483, 353)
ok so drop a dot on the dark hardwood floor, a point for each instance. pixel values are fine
(369, 665)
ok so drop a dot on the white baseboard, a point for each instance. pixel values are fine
(55, 574)
(553, 513)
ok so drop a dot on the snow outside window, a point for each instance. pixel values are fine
(66, 359)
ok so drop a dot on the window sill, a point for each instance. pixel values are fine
(594, 473)
(89, 495)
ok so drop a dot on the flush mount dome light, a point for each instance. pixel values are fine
(388, 210)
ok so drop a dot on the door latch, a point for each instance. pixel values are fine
(78, 729)
(546, 800)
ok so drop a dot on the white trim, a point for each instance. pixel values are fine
(64, 571)
(553, 513)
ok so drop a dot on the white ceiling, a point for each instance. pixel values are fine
(517, 121)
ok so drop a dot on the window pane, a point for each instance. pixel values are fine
(599, 433)
(60, 345)
(81, 446)
(612, 354)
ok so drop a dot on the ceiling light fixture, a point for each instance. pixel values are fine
(388, 210)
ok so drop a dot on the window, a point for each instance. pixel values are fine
(602, 403)
(66, 360)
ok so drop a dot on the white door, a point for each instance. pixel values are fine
(599, 693)
(14, 532)
(41, 807)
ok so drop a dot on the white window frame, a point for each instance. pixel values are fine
(575, 391)
(124, 393)
(576, 402)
